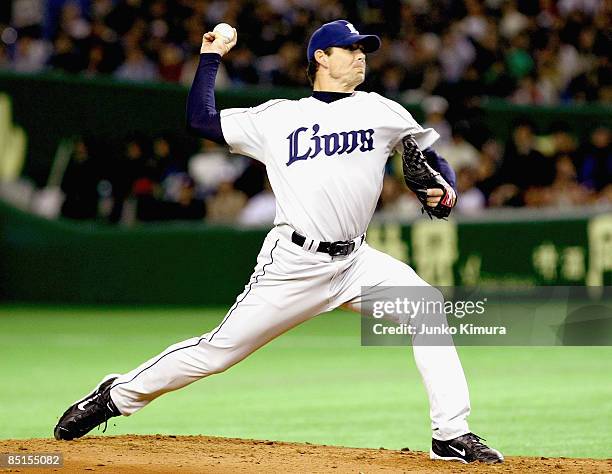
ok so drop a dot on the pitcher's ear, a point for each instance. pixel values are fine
(321, 58)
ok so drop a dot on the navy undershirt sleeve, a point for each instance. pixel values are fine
(440, 164)
(203, 119)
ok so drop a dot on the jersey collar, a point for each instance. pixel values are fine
(329, 97)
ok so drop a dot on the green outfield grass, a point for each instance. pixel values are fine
(315, 383)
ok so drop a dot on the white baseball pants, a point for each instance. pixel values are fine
(289, 286)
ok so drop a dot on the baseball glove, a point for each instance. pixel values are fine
(420, 177)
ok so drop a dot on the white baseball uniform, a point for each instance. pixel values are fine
(325, 163)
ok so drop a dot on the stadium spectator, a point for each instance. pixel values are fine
(170, 65)
(5, 60)
(459, 152)
(529, 92)
(226, 205)
(30, 54)
(72, 21)
(521, 155)
(260, 210)
(65, 55)
(456, 55)
(435, 108)
(181, 200)
(513, 21)
(211, 165)
(396, 201)
(472, 200)
(124, 171)
(487, 173)
(252, 181)
(596, 170)
(80, 184)
(137, 67)
(565, 190)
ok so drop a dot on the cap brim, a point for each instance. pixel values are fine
(370, 42)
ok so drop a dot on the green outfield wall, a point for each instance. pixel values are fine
(50, 107)
(63, 261)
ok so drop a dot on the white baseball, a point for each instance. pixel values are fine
(226, 31)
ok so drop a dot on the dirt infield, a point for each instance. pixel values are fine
(164, 454)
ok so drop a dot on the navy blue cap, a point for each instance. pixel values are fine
(340, 33)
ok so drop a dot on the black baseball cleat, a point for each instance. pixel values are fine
(88, 412)
(465, 448)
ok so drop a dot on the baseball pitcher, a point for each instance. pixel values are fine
(325, 157)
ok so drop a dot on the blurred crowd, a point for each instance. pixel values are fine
(529, 51)
(446, 55)
(535, 168)
(146, 179)
(166, 178)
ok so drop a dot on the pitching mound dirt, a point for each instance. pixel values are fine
(137, 454)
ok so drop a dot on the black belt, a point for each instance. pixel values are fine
(340, 247)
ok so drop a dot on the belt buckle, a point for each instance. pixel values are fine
(341, 247)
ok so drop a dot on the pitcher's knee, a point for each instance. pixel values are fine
(222, 359)
(435, 295)
(219, 365)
